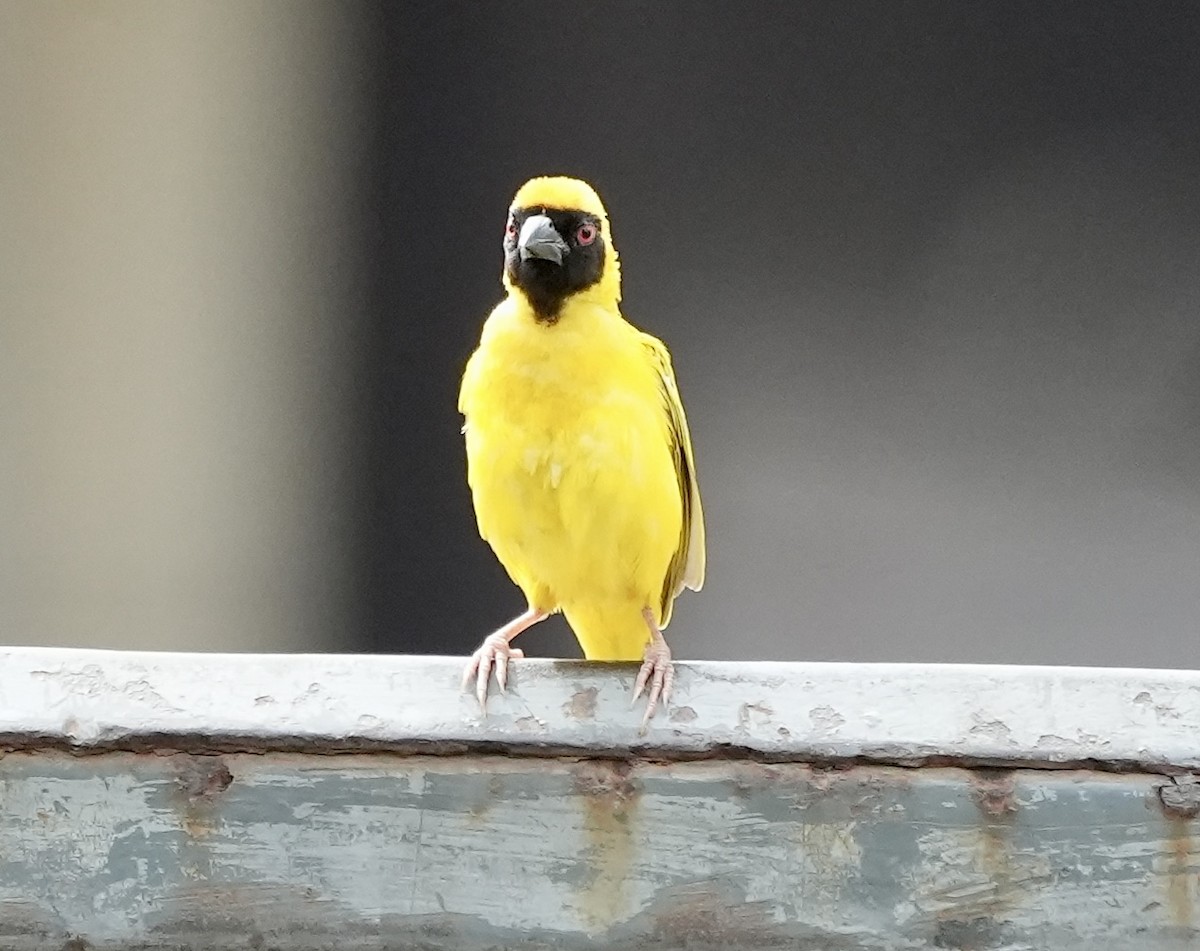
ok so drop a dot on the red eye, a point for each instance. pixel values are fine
(511, 228)
(585, 235)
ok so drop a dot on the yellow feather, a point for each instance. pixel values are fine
(579, 458)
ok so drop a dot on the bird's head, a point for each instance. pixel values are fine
(557, 245)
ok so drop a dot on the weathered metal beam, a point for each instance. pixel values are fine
(887, 713)
(201, 801)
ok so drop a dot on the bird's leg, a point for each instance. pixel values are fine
(495, 651)
(656, 671)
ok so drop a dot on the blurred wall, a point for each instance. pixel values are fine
(176, 345)
(929, 272)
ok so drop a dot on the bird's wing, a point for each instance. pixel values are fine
(687, 565)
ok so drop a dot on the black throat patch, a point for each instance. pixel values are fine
(547, 285)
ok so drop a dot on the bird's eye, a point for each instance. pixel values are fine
(511, 228)
(585, 235)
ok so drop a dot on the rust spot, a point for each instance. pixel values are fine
(1180, 876)
(582, 705)
(994, 792)
(861, 792)
(201, 780)
(1181, 804)
(749, 778)
(610, 797)
(683, 715)
(203, 777)
(605, 777)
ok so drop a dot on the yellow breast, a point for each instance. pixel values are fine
(569, 458)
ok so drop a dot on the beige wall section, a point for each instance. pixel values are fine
(174, 328)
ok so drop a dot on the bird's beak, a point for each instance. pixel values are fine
(539, 239)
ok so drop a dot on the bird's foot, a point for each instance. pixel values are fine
(495, 651)
(657, 674)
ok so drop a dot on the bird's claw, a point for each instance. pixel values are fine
(495, 651)
(657, 674)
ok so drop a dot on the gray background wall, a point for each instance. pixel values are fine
(928, 271)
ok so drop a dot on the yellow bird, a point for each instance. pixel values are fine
(578, 453)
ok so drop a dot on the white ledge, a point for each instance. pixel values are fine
(818, 712)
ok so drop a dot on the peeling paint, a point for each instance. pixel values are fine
(758, 714)
(357, 852)
(996, 730)
(1180, 798)
(582, 705)
(825, 720)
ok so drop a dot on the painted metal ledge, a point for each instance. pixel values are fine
(330, 803)
(820, 712)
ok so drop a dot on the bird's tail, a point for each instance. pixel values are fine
(609, 632)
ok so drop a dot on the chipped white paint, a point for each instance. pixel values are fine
(885, 712)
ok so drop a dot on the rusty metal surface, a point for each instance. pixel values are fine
(885, 713)
(127, 850)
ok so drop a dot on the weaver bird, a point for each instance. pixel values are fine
(578, 453)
